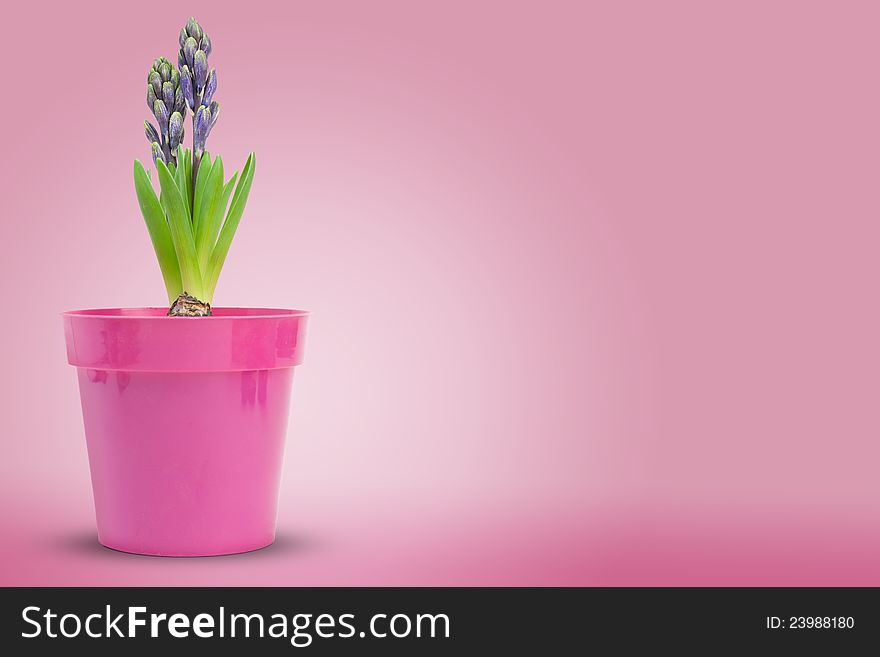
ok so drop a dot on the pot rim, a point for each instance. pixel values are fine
(147, 340)
(157, 313)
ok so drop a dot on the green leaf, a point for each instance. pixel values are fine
(160, 234)
(201, 181)
(181, 233)
(180, 179)
(228, 187)
(210, 213)
(239, 200)
(188, 172)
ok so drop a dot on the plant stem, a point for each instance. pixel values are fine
(166, 148)
(196, 158)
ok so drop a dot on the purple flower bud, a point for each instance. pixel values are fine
(151, 132)
(189, 50)
(179, 101)
(181, 59)
(156, 83)
(215, 112)
(200, 69)
(168, 93)
(193, 28)
(165, 71)
(156, 152)
(210, 88)
(151, 97)
(205, 44)
(161, 114)
(183, 36)
(175, 129)
(203, 120)
(200, 130)
(186, 86)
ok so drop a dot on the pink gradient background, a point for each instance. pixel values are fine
(594, 284)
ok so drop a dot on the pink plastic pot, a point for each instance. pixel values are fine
(185, 421)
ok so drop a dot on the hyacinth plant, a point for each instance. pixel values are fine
(192, 220)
